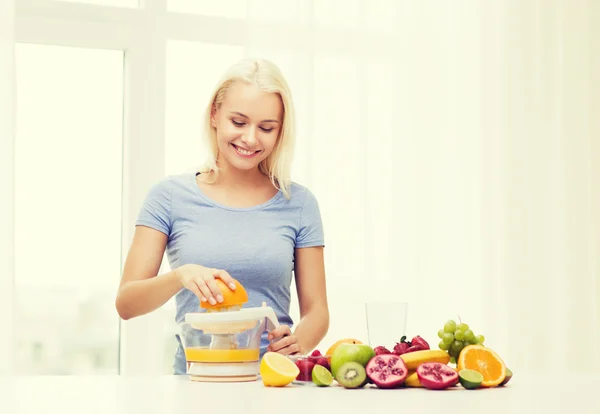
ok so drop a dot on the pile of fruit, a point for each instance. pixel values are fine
(410, 364)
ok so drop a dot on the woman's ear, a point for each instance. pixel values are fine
(213, 114)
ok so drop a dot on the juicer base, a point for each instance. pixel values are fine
(245, 378)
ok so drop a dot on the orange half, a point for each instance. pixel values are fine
(484, 361)
(236, 297)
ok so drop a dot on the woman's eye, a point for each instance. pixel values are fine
(237, 124)
(267, 129)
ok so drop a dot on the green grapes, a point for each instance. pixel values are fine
(454, 337)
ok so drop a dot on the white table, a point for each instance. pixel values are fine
(171, 394)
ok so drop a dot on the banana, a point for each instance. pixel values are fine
(416, 358)
(412, 380)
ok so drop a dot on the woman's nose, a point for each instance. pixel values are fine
(249, 137)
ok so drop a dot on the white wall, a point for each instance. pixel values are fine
(7, 135)
(467, 181)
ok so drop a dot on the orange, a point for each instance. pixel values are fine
(484, 361)
(277, 370)
(236, 297)
(341, 341)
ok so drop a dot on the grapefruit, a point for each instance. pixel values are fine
(338, 343)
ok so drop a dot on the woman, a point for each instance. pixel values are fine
(239, 217)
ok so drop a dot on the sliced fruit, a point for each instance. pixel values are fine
(276, 370)
(412, 380)
(437, 376)
(351, 375)
(508, 377)
(321, 376)
(333, 347)
(387, 371)
(360, 353)
(414, 359)
(419, 341)
(470, 379)
(485, 361)
(381, 350)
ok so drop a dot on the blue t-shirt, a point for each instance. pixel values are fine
(255, 245)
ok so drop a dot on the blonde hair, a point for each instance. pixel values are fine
(267, 76)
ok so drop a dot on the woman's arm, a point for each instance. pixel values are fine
(141, 291)
(312, 297)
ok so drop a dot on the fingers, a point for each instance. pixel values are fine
(225, 277)
(206, 294)
(196, 290)
(279, 332)
(215, 292)
(285, 346)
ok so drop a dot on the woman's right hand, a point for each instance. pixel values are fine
(201, 281)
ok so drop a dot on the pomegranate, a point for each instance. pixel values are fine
(381, 350)
(386, 371)
(436, 376)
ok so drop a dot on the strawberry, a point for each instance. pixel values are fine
(381, 350)
(316, 353)
(417, 340)
(401, 347)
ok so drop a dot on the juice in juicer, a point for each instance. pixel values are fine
(222, 344)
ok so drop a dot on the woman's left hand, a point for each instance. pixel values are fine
(283, 341)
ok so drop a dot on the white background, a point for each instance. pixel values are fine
(453, 147)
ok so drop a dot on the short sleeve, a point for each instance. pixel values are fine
(155, 211)
(310, 232)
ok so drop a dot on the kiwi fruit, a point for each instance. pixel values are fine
(351, 375)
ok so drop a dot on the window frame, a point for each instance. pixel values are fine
(142, 35)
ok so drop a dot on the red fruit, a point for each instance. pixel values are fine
(417, 340)
(436, 376)
(387, 371)
(401, 348)
(381, 350)
(316, 352)
(305, 366)
(322, 361)
(415, 348)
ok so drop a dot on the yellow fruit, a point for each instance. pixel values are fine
(276, 370)
(341, 341)
(485, 361)
(412, 380)
(414, 359)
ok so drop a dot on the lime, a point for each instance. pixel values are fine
(470, 379)
(321, 376)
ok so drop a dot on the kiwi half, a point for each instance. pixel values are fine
(351, 375)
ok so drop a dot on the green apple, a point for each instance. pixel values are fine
(360, 353)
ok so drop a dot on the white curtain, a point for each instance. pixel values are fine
(7, 123)
(458, 171)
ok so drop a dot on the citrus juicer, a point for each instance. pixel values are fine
(222, 344)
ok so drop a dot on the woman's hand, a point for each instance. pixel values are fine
(201, 281)
(283, 341)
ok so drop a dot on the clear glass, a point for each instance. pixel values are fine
(132, 4)
(68, 173)
(386, 323)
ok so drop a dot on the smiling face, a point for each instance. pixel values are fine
(247, 123)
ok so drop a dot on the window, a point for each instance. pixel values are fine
(112, 3)
(68, 208)
(236, 9)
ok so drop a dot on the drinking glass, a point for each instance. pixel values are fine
(386, 323)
